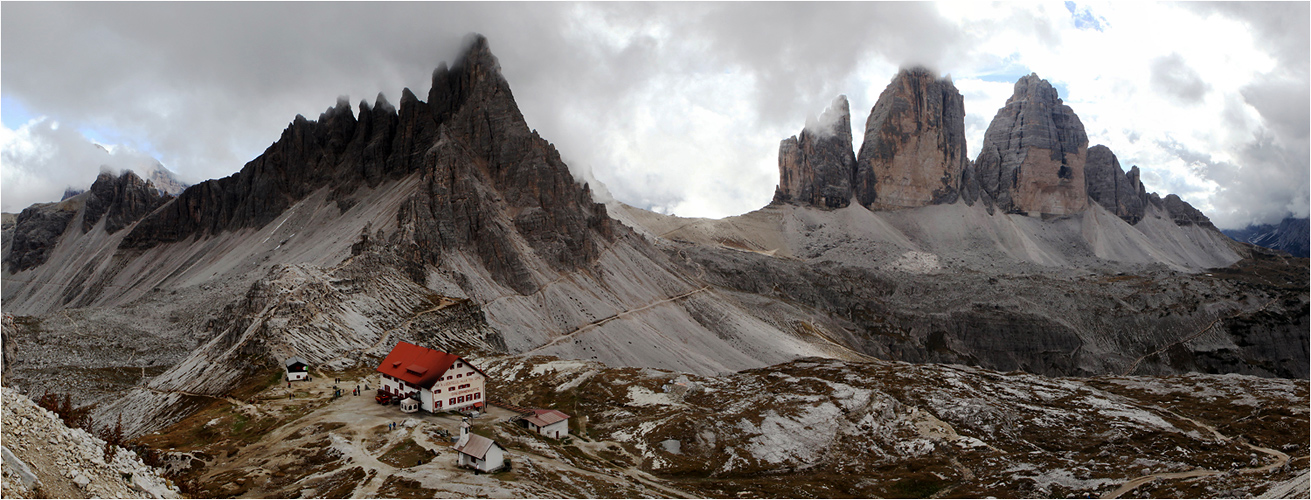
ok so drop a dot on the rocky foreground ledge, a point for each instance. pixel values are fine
(43, 458)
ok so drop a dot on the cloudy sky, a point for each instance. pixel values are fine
(675, 107)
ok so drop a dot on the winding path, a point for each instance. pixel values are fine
(615, 316)
(1280, 459)
(1199, 333)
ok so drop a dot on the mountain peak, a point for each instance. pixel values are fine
(815, 167)
(914, 149)
(1033, 154)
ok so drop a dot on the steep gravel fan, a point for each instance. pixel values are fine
(43, 458)
(1085, 294)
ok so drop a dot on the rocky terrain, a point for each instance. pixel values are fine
(43, 458)
(450, 223)
(810, 427)
(1291, 235)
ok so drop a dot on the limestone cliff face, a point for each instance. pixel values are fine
(914, 150)
(1034, 152)
(1121, 193)
(815, 168)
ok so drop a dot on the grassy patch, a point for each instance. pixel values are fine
(407, 454)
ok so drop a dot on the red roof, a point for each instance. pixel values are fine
(543, 418)
(419, 366)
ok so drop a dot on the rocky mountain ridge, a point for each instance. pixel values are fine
(1292, 235)
(1034, 160)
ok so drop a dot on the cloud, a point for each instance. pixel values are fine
(42, 158)
(1172, 77)
(674, 107)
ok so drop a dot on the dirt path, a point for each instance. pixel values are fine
(1189, 338)
(618, 315)
(1280, 460)
(245, 407)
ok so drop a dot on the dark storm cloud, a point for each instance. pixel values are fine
(1172, 77)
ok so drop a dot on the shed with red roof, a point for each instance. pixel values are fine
(550, 423)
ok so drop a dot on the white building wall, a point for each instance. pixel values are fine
(297, 375)
(494, 459)
(557, 430)
(449, 386)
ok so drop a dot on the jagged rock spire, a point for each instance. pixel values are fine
(914, 149)
(815, 167)
(1108, 185)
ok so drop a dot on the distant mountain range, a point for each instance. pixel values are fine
(1290, 235)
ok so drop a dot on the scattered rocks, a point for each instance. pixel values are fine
(74, 469)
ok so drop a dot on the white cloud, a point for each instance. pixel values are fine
(680, 107)
(40, 159)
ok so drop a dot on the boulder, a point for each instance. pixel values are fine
(815, 167)
(914, 150)
(1033, 154)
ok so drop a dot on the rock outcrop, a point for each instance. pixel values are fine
(914, 149)
(1108, 185)
(1185, 214)
(120, 200)
(1033, 154)
(815, 167)
(36, 231)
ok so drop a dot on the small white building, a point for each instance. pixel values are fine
(437, 380)
(297, 369)
(549, 423)
(477, 452)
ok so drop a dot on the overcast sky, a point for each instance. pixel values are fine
(675, 107)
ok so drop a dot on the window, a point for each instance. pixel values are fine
(458, 376)
(477, 395)
(452, 401)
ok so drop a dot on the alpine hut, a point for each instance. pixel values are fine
(549, 423)
(437, 380)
